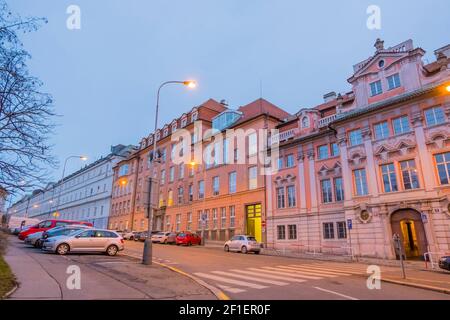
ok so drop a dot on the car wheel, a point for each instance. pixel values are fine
(112, 250)
(256, 252)
(226, 248)
(62, 249)
(244, 250)
(165, 241)
(189, 243)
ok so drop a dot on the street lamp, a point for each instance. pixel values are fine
(147, 254)
(82, 158)
(447, 88)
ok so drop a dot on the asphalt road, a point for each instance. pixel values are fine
(250, 276)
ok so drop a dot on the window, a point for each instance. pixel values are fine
(305, 122)
(178, 222)
(191, 192)
(163, 176)
(381, 130)
(393, 81)
(214, 214)
(322, 152)
(280, 163)
(226, 147)
(389, 177)
(360, 182)
(341, 230)
(281, 232)
(434, 116)
(328, 230)
(223, 217)
(183, 122)
(355, 137)
(123, 170)
(252, 178)
(167, 223)
(180, 195)
(163, 154)
(375, 88)
(280, 198)
(252, 144)
(291, 196)
(401, 125)
(338, 189)
(232, 216)
(215, 185)
(170, 198)
(290, 161)
(334, 149)
(232, 182)
(292, 232)
(181, 171)
(171, 174)
(327, 195)
(443, 167)
(194, 116)
(201, 189)
(409, 174)
(207, 219)
(189, 221)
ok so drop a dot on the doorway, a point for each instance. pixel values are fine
(408, 224)
(253, 213)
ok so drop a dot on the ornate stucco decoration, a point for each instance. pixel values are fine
(288, 179)
(325, 171)
(402, 147)
(363, 213)
(357, 157)
(437, 139)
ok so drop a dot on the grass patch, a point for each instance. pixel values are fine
(7, 280)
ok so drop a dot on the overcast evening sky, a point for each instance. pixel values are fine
(104, 77)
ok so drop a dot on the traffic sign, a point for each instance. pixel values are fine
(349, 224)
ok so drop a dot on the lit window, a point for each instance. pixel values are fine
(443, 167)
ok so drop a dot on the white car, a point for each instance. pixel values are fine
(160, 237)
(128, 235)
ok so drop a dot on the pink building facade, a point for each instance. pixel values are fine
(368, 164)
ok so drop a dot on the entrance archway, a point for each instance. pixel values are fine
(408, 224)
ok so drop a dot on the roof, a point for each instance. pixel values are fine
(260, 107)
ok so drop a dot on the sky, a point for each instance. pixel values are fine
(104, 76)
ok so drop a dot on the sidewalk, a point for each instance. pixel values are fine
(44, 276)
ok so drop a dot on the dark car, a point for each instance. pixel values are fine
(444, 263)
(58, 231)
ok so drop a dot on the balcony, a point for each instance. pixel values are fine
(282, 136)
(327, 120)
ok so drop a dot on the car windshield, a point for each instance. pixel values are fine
(251, 238)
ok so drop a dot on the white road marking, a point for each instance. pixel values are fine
(344, 273)
(277, 283)
(336, 293)
(270, 276)
(229, 289)
(344, 268)
(283, 273)
(226, 280)
(309, 272)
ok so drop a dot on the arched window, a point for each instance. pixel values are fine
(305, 122)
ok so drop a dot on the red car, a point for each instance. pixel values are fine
(49, 224)
(188, 239)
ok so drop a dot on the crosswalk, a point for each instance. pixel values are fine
(259, 278)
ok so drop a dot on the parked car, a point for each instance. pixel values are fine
(143, 235)
(444, 263)
(188, 239)
(49, 224)
(128, 235)
(91, 240)
(33, 238)
(160, 237)
(243, 243)
(172, 238)
(58, 231)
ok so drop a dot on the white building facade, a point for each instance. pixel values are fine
(84, 195)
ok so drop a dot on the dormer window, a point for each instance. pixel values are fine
(194, 116)
(150, 140)
(375, 88)
(305, 122)
(166, 132)
(393, 81)
(158, 135)
(183, 122)
(174, 127)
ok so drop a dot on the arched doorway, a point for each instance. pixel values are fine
(408, 224)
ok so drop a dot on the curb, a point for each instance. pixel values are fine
(10, 292)
(419, 286)
(217, 292)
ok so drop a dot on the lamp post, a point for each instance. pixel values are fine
(82, 158)
(147, 253)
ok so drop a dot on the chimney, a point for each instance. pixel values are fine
(329, 96)
(224, 102)
(379, 45)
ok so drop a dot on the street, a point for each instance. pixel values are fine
(253, 276)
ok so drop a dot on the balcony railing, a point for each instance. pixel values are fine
(327, 120)
(282, 136)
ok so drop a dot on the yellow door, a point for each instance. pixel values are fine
(254, 221)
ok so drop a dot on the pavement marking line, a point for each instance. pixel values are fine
(344, 273)
(336, 293)
(226, 280)
(270, 276)
(229, 289)
(284, 273)
(318, 271)
(307, 272)
(277, 283)
(343, 268)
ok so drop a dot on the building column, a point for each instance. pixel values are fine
(346, 172)
(371, 169)
(426, 164)
(301, 181)
(312, 180)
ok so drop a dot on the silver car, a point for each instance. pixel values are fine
(92, 240)
(161, 237)
(243, 243)
(33, 238)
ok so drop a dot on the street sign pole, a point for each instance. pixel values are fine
(148, 250)
(398, 246)
(350, 227)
